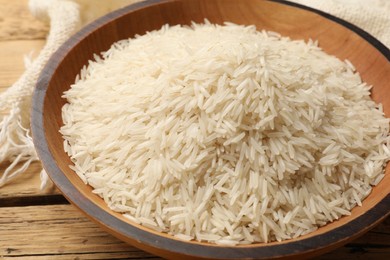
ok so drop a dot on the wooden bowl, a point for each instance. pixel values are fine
(336, 37)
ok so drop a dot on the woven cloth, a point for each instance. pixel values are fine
(67, 16)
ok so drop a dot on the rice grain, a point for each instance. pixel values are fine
(225, 134)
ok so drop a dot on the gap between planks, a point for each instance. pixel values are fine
(33, 201)
(58, 232)
(86, 256)
(62, 232)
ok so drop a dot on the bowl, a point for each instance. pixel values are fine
(335, 36)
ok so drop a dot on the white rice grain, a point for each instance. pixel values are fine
(225, 134)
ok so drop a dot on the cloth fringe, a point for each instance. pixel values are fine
(16, 145)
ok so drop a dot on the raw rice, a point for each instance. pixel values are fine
(225, 134)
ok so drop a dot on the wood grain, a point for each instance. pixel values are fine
(12, 55)
(62, 232)
(26, 184)
(58, 231)
(293, 22)
(57, 224)
(84, 256)
(17, 23)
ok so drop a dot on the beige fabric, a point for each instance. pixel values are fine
(15, 142)
(66, 16)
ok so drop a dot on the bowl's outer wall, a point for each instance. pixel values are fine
(368, 55)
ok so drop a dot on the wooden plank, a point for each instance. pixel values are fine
(17, 23)
(12, 59)
(358, 252)
(57, 232)
(26, 184)
(62, 232)
(373, 245)
(87, 256)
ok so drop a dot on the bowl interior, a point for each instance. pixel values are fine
(288, 20)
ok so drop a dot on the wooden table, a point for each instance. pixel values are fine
(41, 224)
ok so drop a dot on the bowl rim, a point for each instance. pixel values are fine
(203, 250)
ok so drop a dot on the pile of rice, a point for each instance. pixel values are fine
(224, 133)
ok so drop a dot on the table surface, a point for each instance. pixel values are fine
(41, 224)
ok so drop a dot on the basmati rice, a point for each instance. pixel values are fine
(225, 134)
